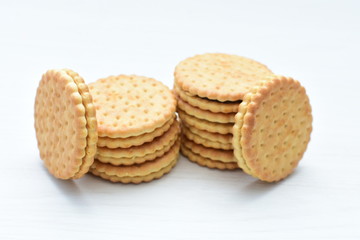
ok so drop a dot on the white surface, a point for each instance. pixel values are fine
(314, 42)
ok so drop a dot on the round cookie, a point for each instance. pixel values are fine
(131, 105)
(205, 114)
(215, 137)
(91, 123)
(206, 162)
(65, 124)
(207, 104)
(137, 179)
(211, 153)
(135, 140)
(142, 150)
(272, 129)
(217, 76)
(222, 128)
(205, 142)
(136, 172)
(137, 160)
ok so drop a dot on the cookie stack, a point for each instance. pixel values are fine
(209, 89)
(137, 127)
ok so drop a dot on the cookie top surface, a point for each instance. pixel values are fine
(272, 129)
(60, 124)
(219, 76)
(131, 105)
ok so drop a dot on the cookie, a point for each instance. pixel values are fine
(215, 137)
(91, 123)
(65, 124)
(205, 142)
(135, 140)
(206, 152)
(131, 105)
(138, 179)
(142, 150)
(138, 172)
(138, 160)
(207, 104)
(217, 76)
(205, 114)
(272, 129)
(206, 162)
(223, 128)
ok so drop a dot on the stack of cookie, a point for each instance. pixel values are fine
(137, 127)
(209, 89)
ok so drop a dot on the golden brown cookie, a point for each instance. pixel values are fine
(65, 124)
(137, 160)
(272, 129)
(216, 137)
(205, 114)
(206, 152)
(138, 172)
(223, 128)
(206, 162)
(91, 123)
(207, 104)
(142, 150)
(203, 141)
(137, 179)
(217, 76)
(135, 140)
(131, 105)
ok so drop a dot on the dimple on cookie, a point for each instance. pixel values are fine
(217, 76)
(272, 129)
(130, 105)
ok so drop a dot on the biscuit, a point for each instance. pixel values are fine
(205, 114)
(272, 129)
(207, 104)
(135, 140)
(137, 179)
(217, 76)
(206, 162)
(138, 170)
(131, 105)
(91, 123)
(211, 153)
(65, 124)
(142, 150)
(205, 142)
(138, 160)
(223, 128)
(215, 137)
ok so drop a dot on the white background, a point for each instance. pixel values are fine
(316, 42)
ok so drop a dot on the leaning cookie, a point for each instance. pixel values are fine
(65, 124)
(272, 129)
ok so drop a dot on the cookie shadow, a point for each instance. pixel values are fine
(69, 189)
(255, 189)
